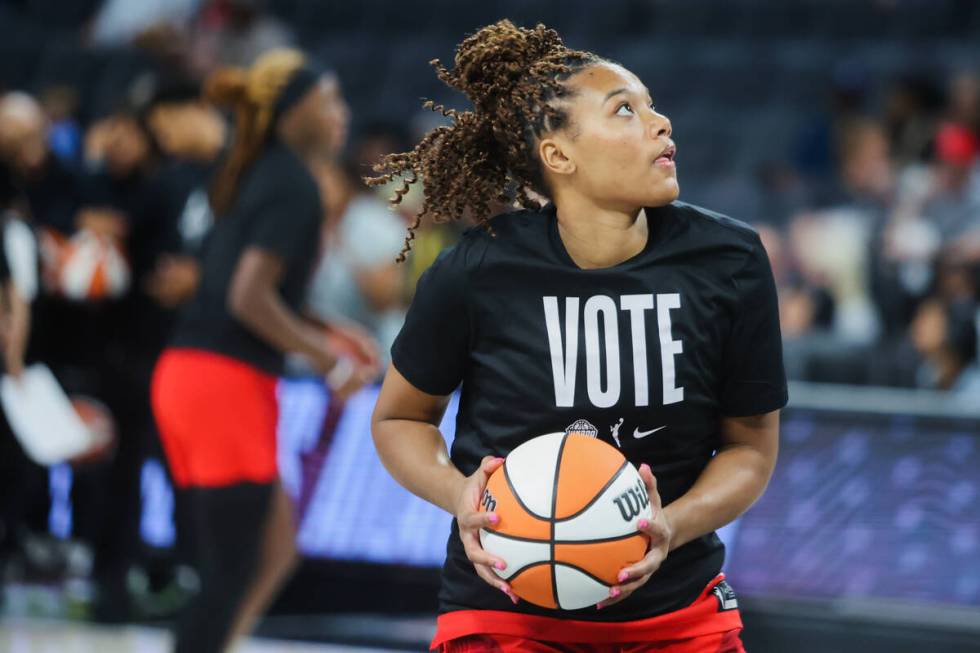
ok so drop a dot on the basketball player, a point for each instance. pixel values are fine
(214, 388)
(612, 302)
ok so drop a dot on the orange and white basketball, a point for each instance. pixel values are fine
(98, 419)
(87, 266)
(568, 508)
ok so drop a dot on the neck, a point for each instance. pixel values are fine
(597, 236)
(301, 146)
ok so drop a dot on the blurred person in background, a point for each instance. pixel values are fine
(945, 336)
(137, 190)
(358, 278)
(912, 105)
(964, 101)
(22, 482)
(213, 392)
(52, 187)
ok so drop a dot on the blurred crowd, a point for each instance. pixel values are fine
(103, 220)
(871, 221)
(873, 231)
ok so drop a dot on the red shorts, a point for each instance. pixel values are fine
(705, 626)
(217, 418)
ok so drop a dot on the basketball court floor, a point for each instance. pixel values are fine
(42, 636)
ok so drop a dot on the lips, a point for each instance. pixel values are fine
(667, 155)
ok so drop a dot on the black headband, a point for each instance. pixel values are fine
(299, 83)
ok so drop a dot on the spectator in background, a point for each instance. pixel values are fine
(22, 482)
(945, 336)
(52, 187)
(190, 135)
(911, 107)
(357, 278)
(60, 104)
(964, 101)
(953, 203)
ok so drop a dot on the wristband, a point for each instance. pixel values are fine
(340, 373)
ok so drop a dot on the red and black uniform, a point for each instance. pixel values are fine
(214, 396)
(651, 352)
(214, 390)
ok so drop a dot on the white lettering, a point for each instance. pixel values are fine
(668, 347)
(563, 359)
(593, 364)
(636, 304)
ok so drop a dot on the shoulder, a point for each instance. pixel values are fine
(278, 173)
(716, 228)
(508, 236)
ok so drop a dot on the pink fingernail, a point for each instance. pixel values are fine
(623, 575)
(614, 592)
(600, 606)
(513, 598)
(499, 565)
(643, 523)
(493, 519)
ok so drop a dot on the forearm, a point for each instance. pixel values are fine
(415, 454)
(265, 314)
(728, 486)
(20, 327)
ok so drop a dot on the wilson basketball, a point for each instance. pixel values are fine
(87, 266)
(568, 508)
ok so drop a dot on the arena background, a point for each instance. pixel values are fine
(846, 131)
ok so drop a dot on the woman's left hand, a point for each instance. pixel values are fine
(659, 531)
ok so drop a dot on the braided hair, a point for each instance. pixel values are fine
(514, 77)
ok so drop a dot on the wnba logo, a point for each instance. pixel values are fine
(632, 501)
(489, 503)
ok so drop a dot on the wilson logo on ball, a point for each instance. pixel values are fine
(632, 501)
(489, 503)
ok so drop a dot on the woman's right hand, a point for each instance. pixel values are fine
(470, 520)
(356, 375)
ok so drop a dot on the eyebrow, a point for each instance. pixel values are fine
(612, 93)
(622, 90)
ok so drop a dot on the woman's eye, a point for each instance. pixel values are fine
(627, 107)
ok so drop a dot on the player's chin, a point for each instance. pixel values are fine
(662, 191)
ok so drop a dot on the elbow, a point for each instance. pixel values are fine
(377, 429)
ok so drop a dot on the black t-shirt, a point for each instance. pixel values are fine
(662, 346)
(278, 210)
(56, 195)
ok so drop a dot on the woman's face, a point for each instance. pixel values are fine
(326, 116)
(617, 149)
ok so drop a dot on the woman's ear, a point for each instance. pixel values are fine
(553, 158)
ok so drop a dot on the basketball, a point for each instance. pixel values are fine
(98, 419)
(568, 508)
(87, 266)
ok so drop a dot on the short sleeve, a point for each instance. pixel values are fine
(284, 223)
(432, 347)
(20, 252)
(755, 379)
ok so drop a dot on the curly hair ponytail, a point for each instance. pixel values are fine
(512, 76)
